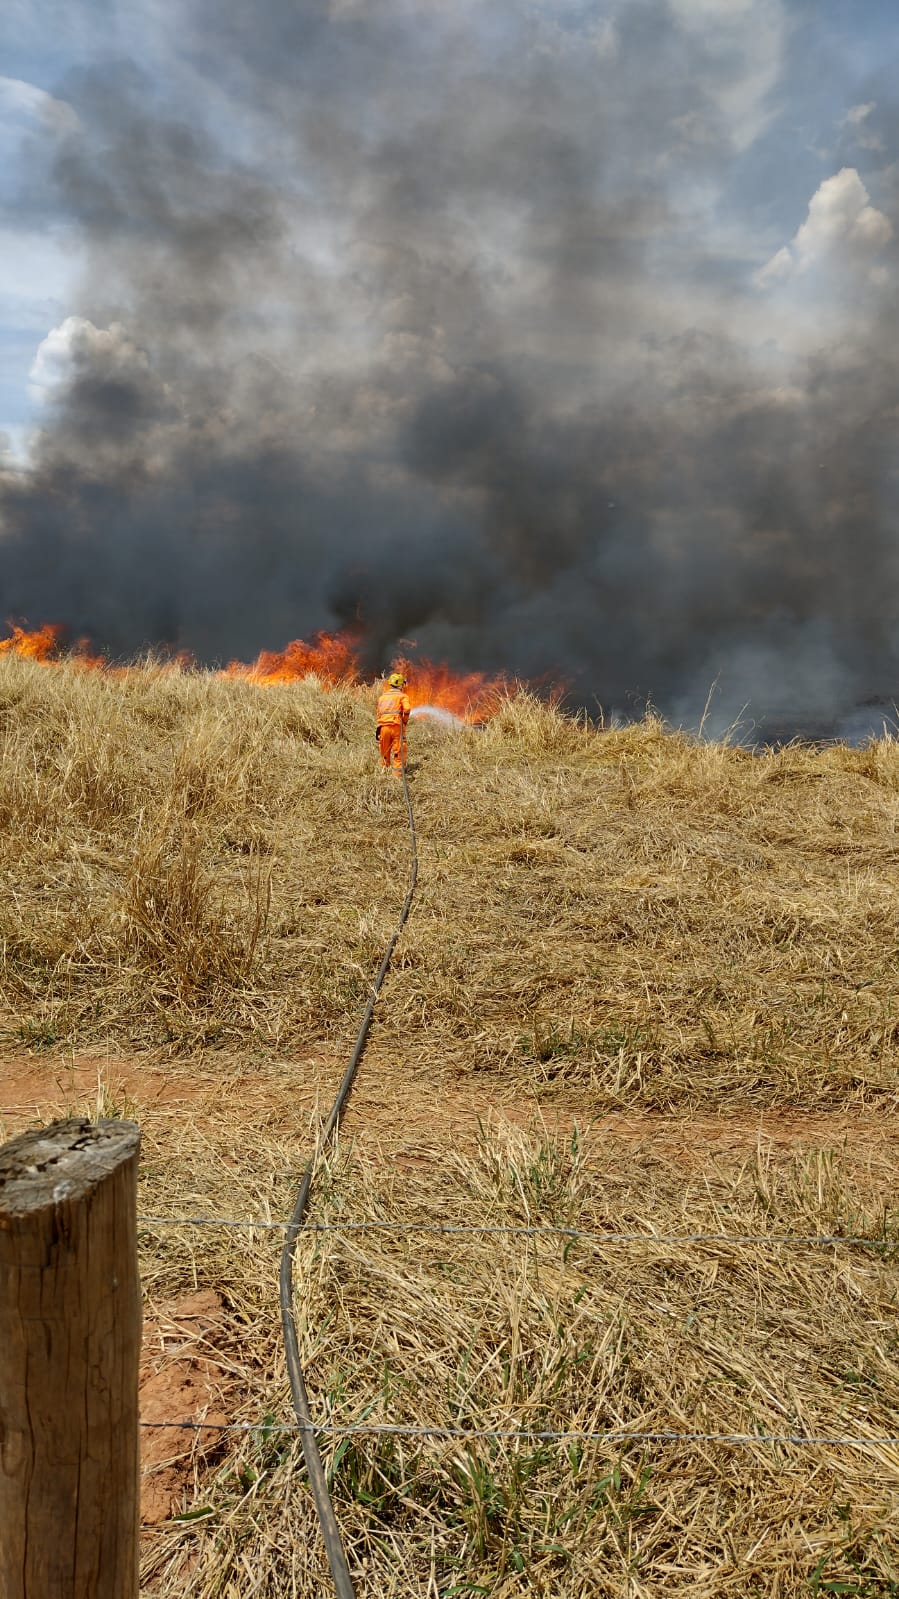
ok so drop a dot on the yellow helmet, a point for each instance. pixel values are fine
(397, 680)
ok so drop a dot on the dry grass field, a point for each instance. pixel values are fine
(649, 986)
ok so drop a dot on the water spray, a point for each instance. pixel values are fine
(438, 713)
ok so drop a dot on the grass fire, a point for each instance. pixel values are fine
(332, 659)
(647, 994)
(449, 799)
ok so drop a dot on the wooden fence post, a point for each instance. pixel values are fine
(70, 1328)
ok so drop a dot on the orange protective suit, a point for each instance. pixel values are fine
(393, 714)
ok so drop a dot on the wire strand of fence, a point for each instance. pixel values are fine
(522, 1435)
(448, 1230)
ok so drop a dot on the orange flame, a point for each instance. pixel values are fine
(333, 658)
(47, 646)
(472, 696)
(85, 656)
(43, 644)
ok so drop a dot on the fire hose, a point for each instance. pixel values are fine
(318, 1481)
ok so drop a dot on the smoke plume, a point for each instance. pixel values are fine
(450, 320)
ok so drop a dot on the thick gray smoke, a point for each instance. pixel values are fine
(441, 319)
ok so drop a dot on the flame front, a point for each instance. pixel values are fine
(332, 658)
(43, 644)
(48, 647)
(472, 696)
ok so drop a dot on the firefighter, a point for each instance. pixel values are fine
(393, 713)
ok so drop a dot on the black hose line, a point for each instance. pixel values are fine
(324, 1507)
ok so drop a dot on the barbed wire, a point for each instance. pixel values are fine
(448, 1229)
(522, 1435)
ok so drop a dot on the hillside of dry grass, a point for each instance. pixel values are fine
(609, 919)
(200, 876)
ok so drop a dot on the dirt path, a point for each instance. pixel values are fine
(406, 1121)
(413, 1124)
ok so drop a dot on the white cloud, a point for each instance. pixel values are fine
(23, 102)
(841, 212)
(78, 343)
(778, 269)
(842, 226)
